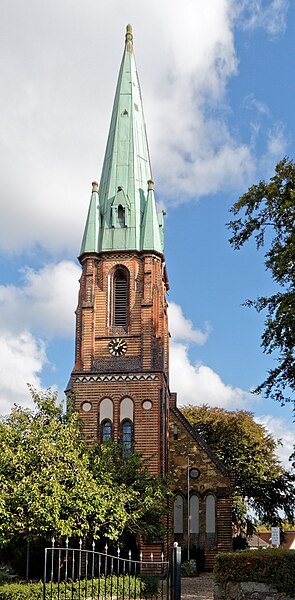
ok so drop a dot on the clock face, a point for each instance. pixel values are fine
(117, 347)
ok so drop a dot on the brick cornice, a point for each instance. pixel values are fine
(114, 377)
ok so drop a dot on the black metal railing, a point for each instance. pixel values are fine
(80, 573)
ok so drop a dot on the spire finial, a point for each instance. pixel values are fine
(95, 186)
(150, 184)
(129, 36)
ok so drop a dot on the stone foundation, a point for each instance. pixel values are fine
(248, 590)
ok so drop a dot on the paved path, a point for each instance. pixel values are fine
(197, 588)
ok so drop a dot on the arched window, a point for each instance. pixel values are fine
(106, 430)
(210, 514)
(106, 410)
(121, 216)
(178, 514)
(127, 436)
(194, 513)
(120, 298)
(126, 409)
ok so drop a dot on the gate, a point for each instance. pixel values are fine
(80, 574)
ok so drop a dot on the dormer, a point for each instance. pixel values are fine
(120, 211)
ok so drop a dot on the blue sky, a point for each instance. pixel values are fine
(217, 80)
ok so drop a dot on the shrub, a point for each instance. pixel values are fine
(21, 591)
(274, 566)
(6, 573)
(188, 569)
(144, 587)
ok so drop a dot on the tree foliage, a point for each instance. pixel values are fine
(147, 496)
(268, 214)
(53, 483)
(248, 450)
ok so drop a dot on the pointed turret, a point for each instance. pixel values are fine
(150, 225)
(91, 231)
(127, 217)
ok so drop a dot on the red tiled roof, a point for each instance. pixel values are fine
(288, 538)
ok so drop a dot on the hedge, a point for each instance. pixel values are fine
(274, 566)
(123, 587)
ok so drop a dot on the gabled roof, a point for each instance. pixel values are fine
(255, 541)
(126, 172)
(198, 438)
(287, 537)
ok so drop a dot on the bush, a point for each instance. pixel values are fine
(274, 566)
(144, 587)
(21, 591)
(188, 568)
(6, 573)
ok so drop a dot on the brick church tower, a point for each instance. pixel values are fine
(120, 380)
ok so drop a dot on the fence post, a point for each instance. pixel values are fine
(45, 575)
(175, 589)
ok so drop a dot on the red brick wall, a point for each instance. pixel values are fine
(211, 480)
(142, 373)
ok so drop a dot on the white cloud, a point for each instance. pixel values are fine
(43, 306)
(277, 141)
(22, 360)
(197, 383)
(253, 103)
(270, 16)
(45, 303)
(282, 430)
(183, 329)
(54, 117)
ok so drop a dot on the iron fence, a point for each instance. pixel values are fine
(85, 574)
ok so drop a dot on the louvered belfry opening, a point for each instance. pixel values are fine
(120, 298)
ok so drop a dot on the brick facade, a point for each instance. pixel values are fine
(142, 374)
(187, 450)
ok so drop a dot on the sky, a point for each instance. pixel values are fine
(217, 79)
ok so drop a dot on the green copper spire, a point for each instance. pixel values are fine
(150, 226)
(122, 215)
(91, 231)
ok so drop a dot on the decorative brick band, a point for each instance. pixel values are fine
(115, 378)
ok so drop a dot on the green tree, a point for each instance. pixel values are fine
(148, 497)
(248, 450)
(53, 483)
(268, 214)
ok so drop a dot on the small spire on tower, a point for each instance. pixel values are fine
(129, 37)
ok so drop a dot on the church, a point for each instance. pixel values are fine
(120, 379)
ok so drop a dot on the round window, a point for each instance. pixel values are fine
(86, 406)
(147, 405)
(194, 473)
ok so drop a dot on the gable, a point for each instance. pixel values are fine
(188, 450)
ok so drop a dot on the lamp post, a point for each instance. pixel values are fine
(188, 512)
